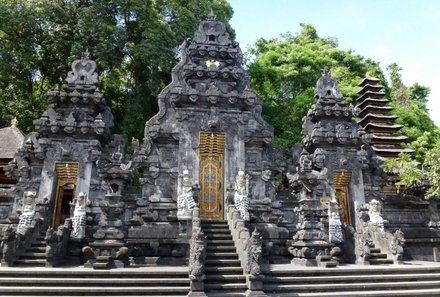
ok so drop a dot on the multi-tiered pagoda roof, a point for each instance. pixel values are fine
(375, 119)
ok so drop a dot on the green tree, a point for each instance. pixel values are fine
(409, 104)
(284, 72)
(133, 42)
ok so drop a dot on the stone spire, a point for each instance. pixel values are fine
(78, 109)
(375, 119)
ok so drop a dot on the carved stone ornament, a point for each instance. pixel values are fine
(327, 87)
(83, 71)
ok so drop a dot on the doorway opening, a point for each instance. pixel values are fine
(67, 174)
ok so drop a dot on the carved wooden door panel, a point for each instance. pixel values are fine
(341, 181)
(211, 175)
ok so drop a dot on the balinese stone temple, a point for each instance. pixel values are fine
(217, 199)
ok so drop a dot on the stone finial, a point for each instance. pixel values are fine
(14, 122)
(83, 71)
(211, 16)
(327, 86)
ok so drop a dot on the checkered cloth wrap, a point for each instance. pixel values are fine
(335, 230)
(25, 220)
(78, 224)
(186, 200)
(242, 204)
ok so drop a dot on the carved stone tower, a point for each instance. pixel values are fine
(209, 126)
(330, 169)
(72, 151)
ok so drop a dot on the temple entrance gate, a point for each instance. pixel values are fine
(211, 175)
(67, 174)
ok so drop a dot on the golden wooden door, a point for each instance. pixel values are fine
(341, 180)
(211, 175)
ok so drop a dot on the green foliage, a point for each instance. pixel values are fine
(432, 167)
(409, 104)
(284, 73)
(408, 170)
(133, 42)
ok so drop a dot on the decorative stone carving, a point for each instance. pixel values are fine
(8, 246)
(197, 255)
(79, 216)
(396, 246)
(253, 250)
(241, 195)
(185, 198)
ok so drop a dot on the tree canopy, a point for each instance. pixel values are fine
(285, 70)
(134, 43)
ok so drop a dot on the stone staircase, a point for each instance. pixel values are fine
(378, 258)
(353, 281)
(34, 256)
(224, 275)
(151, 281)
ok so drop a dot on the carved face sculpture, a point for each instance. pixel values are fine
(81, 198)
(319, 159)
(240, 178)
(185, 178)
(374, 206)
(28, 201)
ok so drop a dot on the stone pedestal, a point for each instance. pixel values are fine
(109, 247)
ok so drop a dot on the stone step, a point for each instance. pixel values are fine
(38, 244)
(218, 255)
(226, 287)
(218, 236)
(225, 294)
(109, 282)
(215, 226)
(36, 250)
(388, 293)
(33, 255)
(284, 270)
(223, 270)
(356, 286)
(378, 256)
(233, 278)
(94, 291)
(208, 231)
(30, 262)
(374, 261)
(220, 249)
(351, 278)
(222, 263)
(127, 273)
(221, 242)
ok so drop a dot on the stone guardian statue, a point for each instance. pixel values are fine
(374, 214)
(185, 195)
(241, 199)
(79, 216)
(28, 212)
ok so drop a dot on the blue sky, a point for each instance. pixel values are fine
(406, 32)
